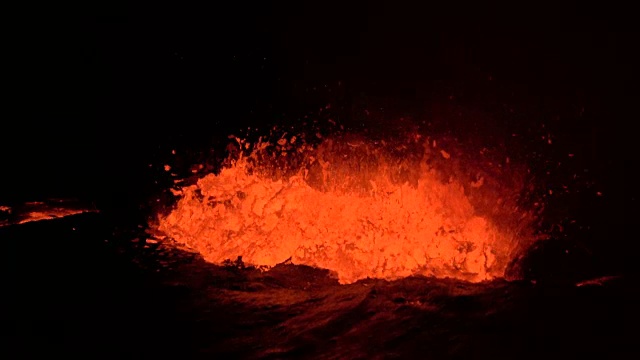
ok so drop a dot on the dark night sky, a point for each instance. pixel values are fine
(102, 95)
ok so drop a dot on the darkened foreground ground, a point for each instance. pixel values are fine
(82, 287)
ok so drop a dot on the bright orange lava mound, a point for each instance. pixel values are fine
(359, 208)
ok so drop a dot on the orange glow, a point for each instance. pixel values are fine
(42, 210)
(358, 207)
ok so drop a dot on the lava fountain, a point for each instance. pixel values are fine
(359, 207)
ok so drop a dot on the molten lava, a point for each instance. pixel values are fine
(358, 207)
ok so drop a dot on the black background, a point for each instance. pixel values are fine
(102, 94)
